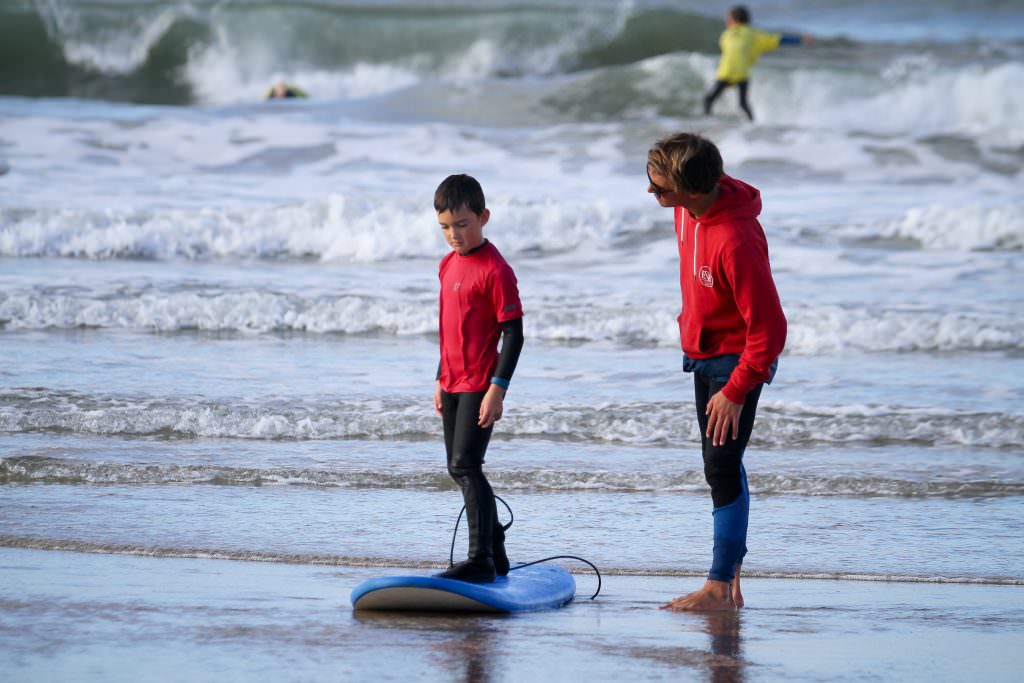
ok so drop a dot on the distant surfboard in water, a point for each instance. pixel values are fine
(531, 588)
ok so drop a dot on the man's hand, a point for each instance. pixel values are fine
(491, 406)
(723, 417)
(437, 397)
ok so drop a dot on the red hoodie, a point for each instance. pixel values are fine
(730, 304)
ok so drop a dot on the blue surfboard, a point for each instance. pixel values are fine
(530, 588)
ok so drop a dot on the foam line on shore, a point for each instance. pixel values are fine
(33, 543)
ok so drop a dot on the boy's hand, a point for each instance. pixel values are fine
(723, 418)
(491, 406)
(437, 397)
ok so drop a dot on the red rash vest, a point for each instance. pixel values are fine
(478, 293)
(730, 304)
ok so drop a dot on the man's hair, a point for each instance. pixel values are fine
(458, 191)
(740, 14)
(691, 162)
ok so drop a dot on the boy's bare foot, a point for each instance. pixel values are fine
(737, 594)
(714, 596)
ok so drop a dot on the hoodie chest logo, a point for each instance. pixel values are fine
(706, 278)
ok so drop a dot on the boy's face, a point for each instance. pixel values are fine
(463, 229)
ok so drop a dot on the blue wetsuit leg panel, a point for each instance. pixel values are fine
(730, 523)
(725, 473)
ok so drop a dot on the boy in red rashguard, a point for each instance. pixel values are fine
(732, 330)
(479, 304)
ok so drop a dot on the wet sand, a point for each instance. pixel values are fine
(100, 617)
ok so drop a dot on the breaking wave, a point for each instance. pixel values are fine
(335, 229)
(813, 330)
(639, 423)
(590, 61)
(46, 470)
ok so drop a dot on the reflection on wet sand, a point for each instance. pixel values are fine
(463, 646)
(462, 642)
(721, 657)
(726, 664)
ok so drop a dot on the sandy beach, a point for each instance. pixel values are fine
(104, 617)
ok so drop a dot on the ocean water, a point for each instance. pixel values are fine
(218, 314)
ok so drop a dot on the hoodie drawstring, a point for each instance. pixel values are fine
(696, 227)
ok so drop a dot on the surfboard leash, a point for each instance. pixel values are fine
(566, 557)
(512, 518)
(504, 527)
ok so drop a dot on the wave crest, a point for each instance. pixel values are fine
(813, 330)
(976, 228)
(39, 470)
(338, 228)
(640, 423)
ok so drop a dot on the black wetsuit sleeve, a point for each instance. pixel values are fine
(511, 346)
(438, 370)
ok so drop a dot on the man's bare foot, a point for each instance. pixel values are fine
(737, 594)
(714, 596)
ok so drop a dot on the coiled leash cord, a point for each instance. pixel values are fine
(512, 518)
(451, 553)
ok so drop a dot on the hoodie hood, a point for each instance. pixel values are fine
(736, 201)
(730, 304)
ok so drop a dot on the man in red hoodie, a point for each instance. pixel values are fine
(732, 330)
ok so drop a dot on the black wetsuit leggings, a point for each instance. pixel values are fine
(720, 86)
(466, 443)
(723, 464)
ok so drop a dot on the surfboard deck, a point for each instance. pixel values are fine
(530, 588)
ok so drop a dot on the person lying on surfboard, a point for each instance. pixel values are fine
(479, 304)
(284, 91)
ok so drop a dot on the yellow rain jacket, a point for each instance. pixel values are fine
(741, 46)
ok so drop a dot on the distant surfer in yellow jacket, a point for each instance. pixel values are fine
(741, 46)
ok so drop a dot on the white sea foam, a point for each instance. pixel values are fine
(24, 470)
(973, 100)
(362, 228)
(970, 227)
(813, 330)
(242, 312)
(238, 68)
(119, 50)
(337, 228)
(219, 76)
(955, 225)
(834, 329)
(640, 423)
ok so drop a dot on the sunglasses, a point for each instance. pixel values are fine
(656, 190)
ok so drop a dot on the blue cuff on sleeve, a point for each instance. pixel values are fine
(503, 383)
